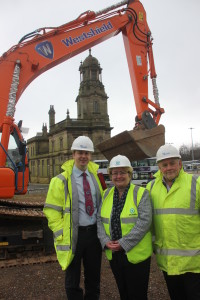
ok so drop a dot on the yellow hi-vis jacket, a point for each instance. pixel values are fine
(176, 223)
(62, 210)
(128, 217)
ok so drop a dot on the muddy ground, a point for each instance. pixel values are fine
(46, 282)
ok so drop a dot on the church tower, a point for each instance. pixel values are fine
(49, 150)
(92, 98)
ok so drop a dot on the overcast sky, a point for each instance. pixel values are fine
(175, 28)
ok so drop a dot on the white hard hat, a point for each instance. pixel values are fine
(119, 161)
(83, 143)
(167, 151)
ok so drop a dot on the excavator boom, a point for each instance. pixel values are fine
(45, 48)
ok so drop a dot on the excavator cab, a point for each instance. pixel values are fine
(14, 177)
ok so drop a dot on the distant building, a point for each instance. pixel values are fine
(47, 151)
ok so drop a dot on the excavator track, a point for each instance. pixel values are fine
(24, 234)
(27, 261)
(23, 209)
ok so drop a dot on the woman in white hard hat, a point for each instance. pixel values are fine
(124, 222)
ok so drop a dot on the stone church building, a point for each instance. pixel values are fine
(48, 150)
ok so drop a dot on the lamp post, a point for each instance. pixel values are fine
(192, 143)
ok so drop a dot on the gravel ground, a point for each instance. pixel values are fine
(46, 282)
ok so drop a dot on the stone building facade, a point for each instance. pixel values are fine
(47, 151)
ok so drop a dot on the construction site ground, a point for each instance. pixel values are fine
(45, 281)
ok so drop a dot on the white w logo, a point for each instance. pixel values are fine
(45, 49)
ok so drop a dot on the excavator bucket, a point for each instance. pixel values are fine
(136, 144)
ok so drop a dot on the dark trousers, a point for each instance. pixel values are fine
(183, 287)
(132, 279)
(88, 251)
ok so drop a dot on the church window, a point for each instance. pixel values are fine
(38, 171)
(33, 168)
(48, 168)
(96, 107)
(100, 77)
(42, 168)
(93, 74)
(52, 144)
(61, 143)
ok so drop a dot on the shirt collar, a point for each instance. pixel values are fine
(77, 172)
(166, 185)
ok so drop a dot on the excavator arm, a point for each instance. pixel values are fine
(47, 47)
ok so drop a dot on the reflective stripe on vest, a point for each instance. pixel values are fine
(123, 220)
(63, 247)
(181, 211)
(176, 211)
(61, 177)
(152, 184)
(129, 220)
(107, 192)
(135, 191)
(105, 220)
(177, 252)
(67, 210)
(56, 207)
(57, 233)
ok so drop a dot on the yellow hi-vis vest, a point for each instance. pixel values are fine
(61, 209)
(176, 223)
(128, 217)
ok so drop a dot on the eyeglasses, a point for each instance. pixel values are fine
(121, 173)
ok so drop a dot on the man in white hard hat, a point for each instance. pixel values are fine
(175, 198)
(71, 209)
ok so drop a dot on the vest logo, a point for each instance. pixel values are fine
(132, 210)
(45, 49)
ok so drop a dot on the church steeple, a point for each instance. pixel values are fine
(92, 98)
(51, 116)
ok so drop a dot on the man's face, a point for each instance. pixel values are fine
(81, 159)
(170, 168)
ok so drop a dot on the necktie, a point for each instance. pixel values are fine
(88, 196)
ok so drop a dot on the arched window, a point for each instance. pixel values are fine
(93, 74)
(96, 107)
(61, 143)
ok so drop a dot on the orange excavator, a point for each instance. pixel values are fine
(47, 47)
